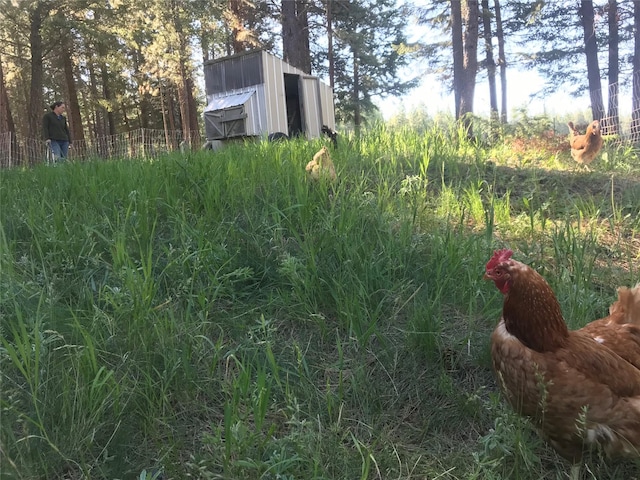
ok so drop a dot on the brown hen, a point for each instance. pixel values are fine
(585, 148)
(580, 388)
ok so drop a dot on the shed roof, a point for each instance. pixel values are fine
(227, 101)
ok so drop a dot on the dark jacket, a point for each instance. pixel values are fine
(54, 128)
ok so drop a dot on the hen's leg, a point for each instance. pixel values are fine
(575, 472)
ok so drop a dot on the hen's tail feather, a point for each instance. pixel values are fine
(572, 129)
(627, 307)
(572, 134)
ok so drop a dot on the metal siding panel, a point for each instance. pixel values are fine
(261, 111)
(251, 118)
(328, 108)
(233, 72)
(276, 105)
(268, 94)
(287, 68)
(213, 78)
(251, 115)
(313, 114)
(256, 124)
(262, 107)
(281, 99)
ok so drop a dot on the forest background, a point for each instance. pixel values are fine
(122, 65)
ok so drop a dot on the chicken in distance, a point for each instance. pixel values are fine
(585, 148)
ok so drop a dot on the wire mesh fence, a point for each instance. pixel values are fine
(141, 143)
(149, 143)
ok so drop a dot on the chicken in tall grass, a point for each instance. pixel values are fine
(321, 166)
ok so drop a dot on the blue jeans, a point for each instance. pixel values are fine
(59, 149)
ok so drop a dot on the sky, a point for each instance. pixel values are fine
(521, 85)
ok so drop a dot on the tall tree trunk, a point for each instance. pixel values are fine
(470, 67)
(99, 121)
(295, 34)
(502, 62)
(144, 106)
(205, 47)
(330, 44)
(612, 125)
(171, 107)
(183, 102)
(73, 110)
(635, 105)
(6, 123)
(107, 94)
(591, 51)
(356, 95)
(87, 113)
(108, 97)
(236, 26)
(36, 110)
(144, 109)
(491, 65)
(165, 124)
(228, 40)
(6, 119)
(458, 53)
(193, 111)
(239, 14)
(188, 110)
(171, 115)
(22, 88)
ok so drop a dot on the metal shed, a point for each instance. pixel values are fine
(256, 94)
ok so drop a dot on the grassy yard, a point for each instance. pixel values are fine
(221, 316)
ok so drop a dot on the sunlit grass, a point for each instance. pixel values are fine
(220, 315)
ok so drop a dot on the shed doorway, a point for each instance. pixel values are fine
(294, 104)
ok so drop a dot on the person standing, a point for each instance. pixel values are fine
(56, 131)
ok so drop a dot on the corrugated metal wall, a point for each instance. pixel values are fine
(312, 105)
(328, 106)
(275, 100)
(236, 72)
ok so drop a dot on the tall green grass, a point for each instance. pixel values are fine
(220, 315)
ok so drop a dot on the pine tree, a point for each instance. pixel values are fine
(367, 55)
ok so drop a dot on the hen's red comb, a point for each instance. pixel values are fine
(499, 256)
